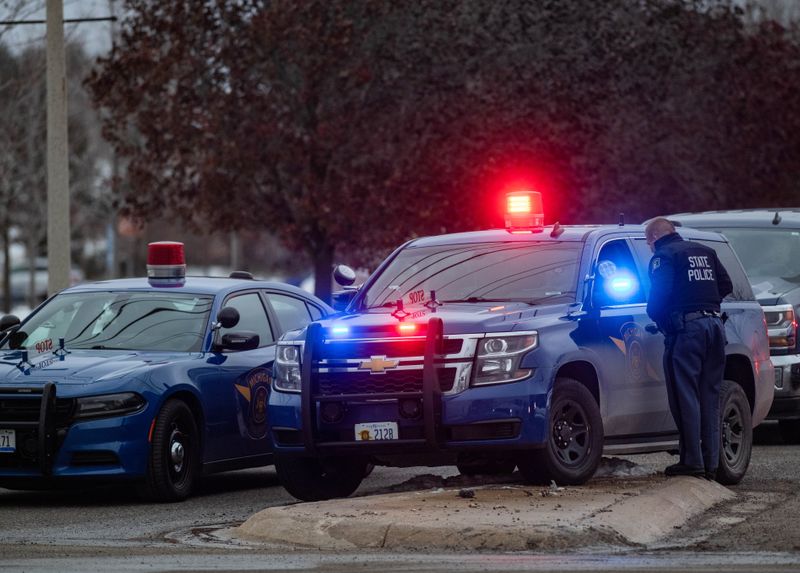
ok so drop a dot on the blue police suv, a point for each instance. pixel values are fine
(527, 347)
(155, 380)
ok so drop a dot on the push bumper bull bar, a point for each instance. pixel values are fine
(45, 426)
(431, 392)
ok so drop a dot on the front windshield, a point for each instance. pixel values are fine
(767, 252)
(532, 272)
(117, 321)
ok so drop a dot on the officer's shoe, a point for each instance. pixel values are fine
(683, 470)
(711, 475)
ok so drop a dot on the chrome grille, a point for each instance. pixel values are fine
(400, 381)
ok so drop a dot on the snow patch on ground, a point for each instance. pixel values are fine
(618, 467)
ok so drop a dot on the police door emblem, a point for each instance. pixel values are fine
(255, 391)
(630, 343)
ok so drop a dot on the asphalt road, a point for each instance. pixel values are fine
(109, 529)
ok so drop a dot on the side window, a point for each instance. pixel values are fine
(741, 285)
(315, 311)
(644, 254)
(252, 317)
(292, 312)
(617, 280)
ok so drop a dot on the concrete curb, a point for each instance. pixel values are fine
(497, 518)
(656, 512)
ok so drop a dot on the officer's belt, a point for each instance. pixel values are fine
(700, 314)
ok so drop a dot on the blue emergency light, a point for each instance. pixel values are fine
(340, 330)
(622, 285)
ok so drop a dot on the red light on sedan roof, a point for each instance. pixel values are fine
(165, 260)
(524, 211)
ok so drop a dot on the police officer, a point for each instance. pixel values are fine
(688, 283)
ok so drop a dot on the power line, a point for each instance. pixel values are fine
(66, 21)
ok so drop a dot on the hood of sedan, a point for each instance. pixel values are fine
(79, 366)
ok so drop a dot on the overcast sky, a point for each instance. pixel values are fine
(96, 36)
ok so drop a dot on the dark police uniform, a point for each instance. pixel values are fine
(688, 284)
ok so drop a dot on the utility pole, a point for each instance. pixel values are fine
(111, 227)
(58, 217)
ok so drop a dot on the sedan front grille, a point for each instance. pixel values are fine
(27, 410)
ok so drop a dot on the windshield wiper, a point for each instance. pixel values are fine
(473, 299)
(390, 304)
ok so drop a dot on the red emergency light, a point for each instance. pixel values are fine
(166, 260)
(407, 328)
(524, 211)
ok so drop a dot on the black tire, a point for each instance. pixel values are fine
(174, 463)
(470, 465)
(312, 479)
(790, 431)
(574, 438)
(736, 434)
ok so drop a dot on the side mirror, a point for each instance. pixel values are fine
(9, 321)
(344, 275)
(240, 341)
(342, 298)
(589, 282)
(228, 317)
(17, 339)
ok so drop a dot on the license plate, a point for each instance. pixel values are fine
(376, 431)
(8, 441)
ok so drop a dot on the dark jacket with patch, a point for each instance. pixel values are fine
(685, 277)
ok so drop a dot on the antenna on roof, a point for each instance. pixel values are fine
(622, 219)
(557, 230)
(777, 218)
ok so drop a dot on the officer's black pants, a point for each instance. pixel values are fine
(694, 363)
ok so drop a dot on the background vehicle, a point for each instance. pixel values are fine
(527, 346)
(768, 244)
(154, 380)
(21, 281)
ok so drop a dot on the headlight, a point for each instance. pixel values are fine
(108, 405)
(782, 326)
(287, 368)
(498, 358)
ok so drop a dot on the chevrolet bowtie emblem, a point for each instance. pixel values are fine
(378, 364)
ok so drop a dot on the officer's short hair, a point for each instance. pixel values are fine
(658, 227)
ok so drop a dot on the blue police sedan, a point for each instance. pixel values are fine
(136, 379)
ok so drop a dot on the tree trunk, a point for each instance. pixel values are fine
(6, 270)
(323, 272)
